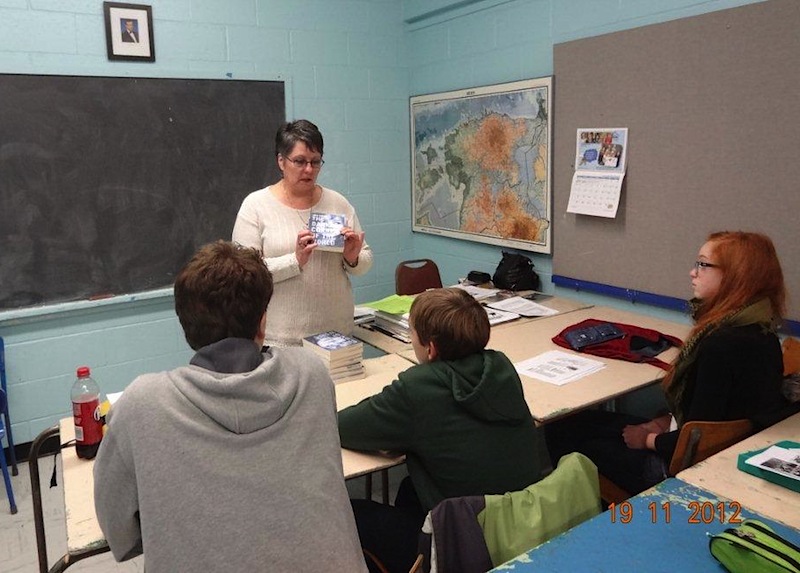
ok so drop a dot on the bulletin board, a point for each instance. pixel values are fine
(711, 103)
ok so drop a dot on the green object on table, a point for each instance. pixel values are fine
(393, 304)
(785, 481)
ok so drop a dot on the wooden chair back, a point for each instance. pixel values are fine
(696, 442)
(699, 440)
(416, 276)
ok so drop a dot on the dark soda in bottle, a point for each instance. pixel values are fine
(86, 414)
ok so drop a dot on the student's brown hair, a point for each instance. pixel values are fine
(222, 292)
(452, 319)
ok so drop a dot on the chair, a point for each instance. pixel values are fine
(696, 442)
(416, 276)
(3, 465)
(475, 533)
(4, 411)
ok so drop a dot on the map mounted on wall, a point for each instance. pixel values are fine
(480, 161)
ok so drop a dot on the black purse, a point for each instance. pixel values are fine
(515, 272)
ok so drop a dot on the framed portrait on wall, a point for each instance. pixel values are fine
(481, 164)
(129, 32)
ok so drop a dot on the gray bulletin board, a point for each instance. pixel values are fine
(712, 105)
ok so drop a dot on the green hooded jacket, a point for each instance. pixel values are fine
(463, 424)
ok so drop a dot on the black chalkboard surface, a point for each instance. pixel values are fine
(108, 185)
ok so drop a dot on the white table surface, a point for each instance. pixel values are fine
(719, 474)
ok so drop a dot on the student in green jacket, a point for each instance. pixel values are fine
(459, 416)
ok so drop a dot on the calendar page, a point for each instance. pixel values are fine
(595, 194)
(600, 156)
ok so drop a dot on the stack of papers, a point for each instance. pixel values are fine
(363, 315)
(342, 354)
(478, 293)
(557, 367)
(778, 460)
(522, 306)
(498, 316)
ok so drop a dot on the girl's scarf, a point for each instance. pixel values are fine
(759, 312)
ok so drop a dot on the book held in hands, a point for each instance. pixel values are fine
(327, 229)
(341, 354)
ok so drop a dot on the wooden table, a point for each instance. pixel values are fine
(663, 529)
(393, 345)
(523, 340)
(548, 401)
(84, 537)
(381, 372)
(720, 475)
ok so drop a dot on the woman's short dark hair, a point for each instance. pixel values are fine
(301, 130)
(452, 319)
(222, 292)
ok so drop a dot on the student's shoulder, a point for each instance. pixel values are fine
(299, 362)
(740, 341)
(143, 393)
(740, 334)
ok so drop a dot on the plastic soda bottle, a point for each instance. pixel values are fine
(86, 414)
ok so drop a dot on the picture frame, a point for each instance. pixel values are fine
(129, 32)
(481, 164)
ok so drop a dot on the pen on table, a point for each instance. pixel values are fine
(386, 332)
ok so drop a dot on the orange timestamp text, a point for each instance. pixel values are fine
(700, 512)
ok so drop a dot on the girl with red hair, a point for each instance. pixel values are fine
(730, 367)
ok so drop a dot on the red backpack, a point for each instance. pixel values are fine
(638, 344)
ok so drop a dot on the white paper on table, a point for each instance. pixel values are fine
(522, 306)
(363, 314)
(775, 459)
(557, 367)
(499, 316)
(595, 193)
(113, 397)
(478, 293)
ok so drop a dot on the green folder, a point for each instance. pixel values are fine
(393, 304)
(786, 482)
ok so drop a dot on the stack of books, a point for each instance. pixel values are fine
(341, 354)
(395, 325)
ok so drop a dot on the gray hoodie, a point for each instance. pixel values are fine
(231, 463)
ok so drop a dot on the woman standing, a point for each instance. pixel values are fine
(312, 288)
(729, 368)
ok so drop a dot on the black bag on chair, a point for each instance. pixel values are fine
(515, 272)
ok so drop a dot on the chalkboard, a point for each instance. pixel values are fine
(711, 104)
(108, 185)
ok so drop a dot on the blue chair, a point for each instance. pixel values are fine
(3, 465)
(4, 409)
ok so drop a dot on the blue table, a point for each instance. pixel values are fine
(635, 536)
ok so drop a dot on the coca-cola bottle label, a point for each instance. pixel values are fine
(88, 425)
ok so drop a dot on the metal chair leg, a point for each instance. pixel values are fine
(36, 493)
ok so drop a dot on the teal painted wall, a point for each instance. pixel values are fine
(350, 66)
(344, 65)
(494, 41)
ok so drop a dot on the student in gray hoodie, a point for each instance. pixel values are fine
(459, 416)
(231, 463)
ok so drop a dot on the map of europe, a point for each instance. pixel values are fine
(481, 168)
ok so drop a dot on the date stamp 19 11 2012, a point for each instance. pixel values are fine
(700, 512)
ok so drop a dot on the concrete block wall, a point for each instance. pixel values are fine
(344, 66)
(350, 66)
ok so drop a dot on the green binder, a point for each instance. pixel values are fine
(786, 482)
